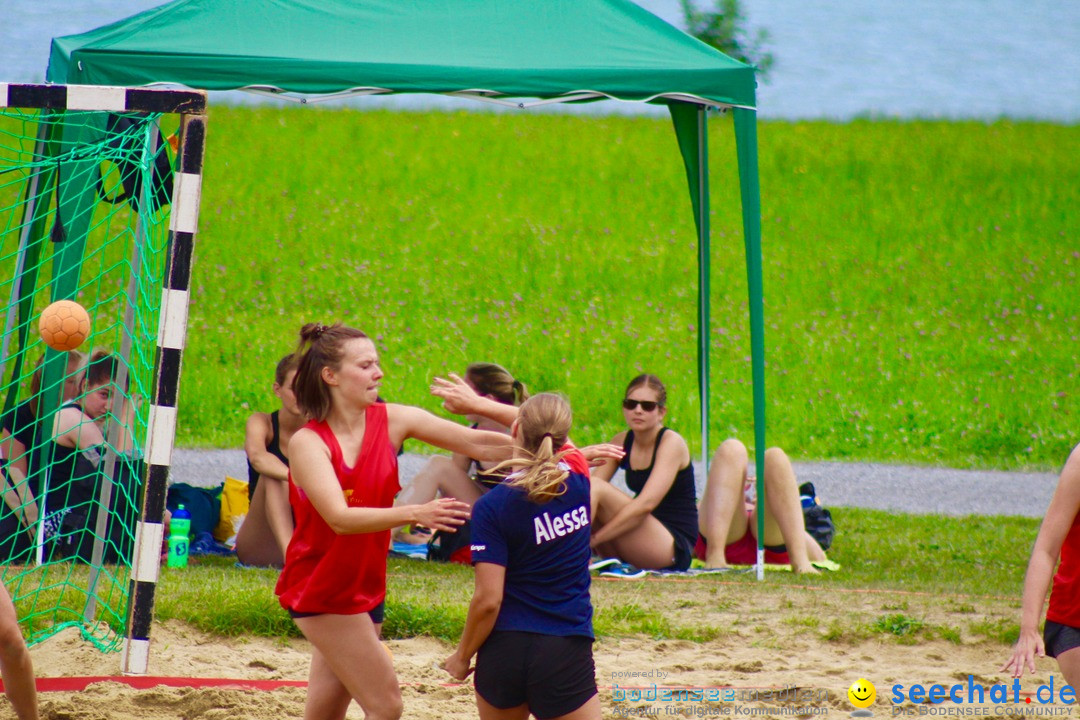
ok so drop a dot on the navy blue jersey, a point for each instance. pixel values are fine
(545, 550)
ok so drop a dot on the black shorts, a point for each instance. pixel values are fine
(377, 613)
(684, 552)
(1060, 638)
(551, 674)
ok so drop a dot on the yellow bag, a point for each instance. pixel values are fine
(234, 508)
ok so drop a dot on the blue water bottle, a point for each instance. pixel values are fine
(179, 532)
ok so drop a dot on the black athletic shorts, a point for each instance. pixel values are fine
(684, 552)
(377, 613)
(1059, 638)
(551, 674)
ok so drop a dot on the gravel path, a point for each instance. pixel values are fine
(869, 485)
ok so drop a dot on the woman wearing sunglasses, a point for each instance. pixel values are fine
(663, 527)
(657, 527)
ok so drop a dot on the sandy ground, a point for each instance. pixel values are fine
(766, 638)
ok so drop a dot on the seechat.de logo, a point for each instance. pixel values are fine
(862, 694)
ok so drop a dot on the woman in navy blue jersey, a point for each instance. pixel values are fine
(530, 620)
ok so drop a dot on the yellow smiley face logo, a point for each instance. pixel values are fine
(862, 693)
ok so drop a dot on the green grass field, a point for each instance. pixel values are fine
(970, 563)
(920, 277)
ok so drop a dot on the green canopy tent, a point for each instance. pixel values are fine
(504, 51)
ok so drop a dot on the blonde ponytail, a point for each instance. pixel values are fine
(543, 422)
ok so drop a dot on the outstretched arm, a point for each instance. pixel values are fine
(314, 474)
(461, 399)
(606, 469)
(1055, 526)
(410, 422)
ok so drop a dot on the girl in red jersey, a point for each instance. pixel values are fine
(530, 620)
(343, 478)
(1059, 537)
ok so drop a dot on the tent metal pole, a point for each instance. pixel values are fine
(704, 273)
(746, 145)
(105, 515)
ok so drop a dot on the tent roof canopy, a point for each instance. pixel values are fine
(565, 50)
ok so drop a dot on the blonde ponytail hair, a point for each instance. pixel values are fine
(543, 424)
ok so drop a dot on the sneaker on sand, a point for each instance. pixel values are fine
(625, 571)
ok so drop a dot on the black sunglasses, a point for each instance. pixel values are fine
(646, 405)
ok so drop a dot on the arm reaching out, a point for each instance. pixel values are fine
(603, 454)
(461, 399)
(410, 422)
(1055, 526)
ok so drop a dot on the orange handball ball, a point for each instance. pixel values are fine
(64, 325)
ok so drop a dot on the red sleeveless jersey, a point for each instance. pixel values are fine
(1065, 596)
(342, 574)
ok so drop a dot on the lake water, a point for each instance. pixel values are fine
(835, 59)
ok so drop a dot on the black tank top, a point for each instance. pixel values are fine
(486, 478)
(273, 447)
(678, 510)
(73, 476)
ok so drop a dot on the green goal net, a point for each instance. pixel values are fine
(85, 216)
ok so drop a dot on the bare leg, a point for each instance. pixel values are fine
(784, 522)
(255, 541)
(722, 510)
(1069, 662)
(349, 662)
(327, 697)
(487, 711)
(15, 664)
(279, 512)
(650, 545)
(589, 711)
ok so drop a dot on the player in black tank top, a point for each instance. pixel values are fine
(678, 510)
(268, 527)
(273, 447)
(655, 529)
(73, 497)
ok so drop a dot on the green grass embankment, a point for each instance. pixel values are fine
(920, 277)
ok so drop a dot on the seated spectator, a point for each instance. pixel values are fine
(659, 526)
(77, 469)
(457, 476)
(726, 512)
(20, 443)
(268, 527)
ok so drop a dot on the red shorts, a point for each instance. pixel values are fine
(743, 551)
